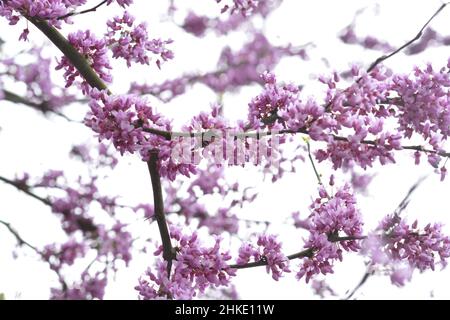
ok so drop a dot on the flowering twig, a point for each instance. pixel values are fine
(168, 136)
(417, 37)
(78, 61)
(397, 211)
(302, 254)
(94, 81)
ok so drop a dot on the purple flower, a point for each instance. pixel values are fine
(269, 250)
(89, 288)
(195, 24)
(195, 269)
(132, 42)
(331, 218)
(122, 3)
(59, 255)
(95, 52)
(125, 120)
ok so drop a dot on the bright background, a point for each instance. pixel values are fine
(34, 144)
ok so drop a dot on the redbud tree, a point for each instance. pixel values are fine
(200, 170)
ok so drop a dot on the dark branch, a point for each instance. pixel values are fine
(302, 254)
(93, 9)
(257, 135)
(417, 37)
(360, 284)
(19, 239)
(25, 189)
(43, 107)
(168, 251)
(405, 201)
(76, 58)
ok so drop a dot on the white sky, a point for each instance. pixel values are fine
(34, 144)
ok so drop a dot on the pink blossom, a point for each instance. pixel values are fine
(94, 50)
(331, 218)
(132, 43)
(269, 251)
(195, 269)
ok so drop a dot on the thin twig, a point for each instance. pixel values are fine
(405, 201)
(25, 189)
(71, 14)
(302, 254)
(19, 239)
(397, 211)
(43, 107)
(417, 37)
(361, 283)
(319, 179)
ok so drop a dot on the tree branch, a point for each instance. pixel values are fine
(71, 14)
(82, 65)
(19, 239)
(319, 179)
(76, 58)
(302, 254)
(403, 204)
(25, 189)
(257, 135)
(168, 252)
(417, 37)
(43, 107)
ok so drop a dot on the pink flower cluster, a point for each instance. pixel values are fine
(88, 288)
(331, 218)
(195, 24)
(41, 92)
(115, 243)
(208, 182)
(243, 67)
(235, 69)
(132, 43)
(45, 9)
(58, 255)
(428, 38)
(95, 52)
(279, 107)
(102, 156)
(122, 3)
(270, 251)
(74, 207)
(50, 10)
(125, 120)
(198, 25)
(195, 269)
(348, 36)
(406, 247)
(425, 106)
(245, 7)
